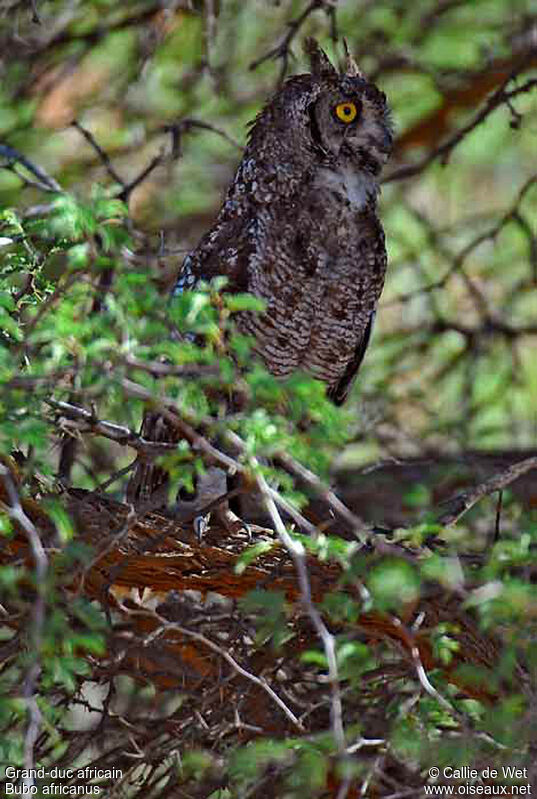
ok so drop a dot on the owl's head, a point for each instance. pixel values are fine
(349, 119)
(336, 121)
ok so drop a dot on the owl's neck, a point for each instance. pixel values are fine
(360, 189)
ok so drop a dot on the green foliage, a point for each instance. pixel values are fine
(270, 614)
(85, 313)
(392, 583)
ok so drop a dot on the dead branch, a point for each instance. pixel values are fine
(443, 152)
(466, 500)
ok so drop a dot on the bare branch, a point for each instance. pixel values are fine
(158, 369)
(44, 181)
(103, 155)
(298, 554)
(359, 527)
(259, 681)
(187, 124)
(461, 504)
(429, 688)
(88, 423)
(128, 188)
(283, 49)
(443, 152)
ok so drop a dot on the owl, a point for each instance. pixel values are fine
(299, 226)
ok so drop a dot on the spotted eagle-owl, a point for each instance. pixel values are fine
(299, 225)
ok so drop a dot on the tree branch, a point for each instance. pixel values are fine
(443, 152)
(44, 181)
(463, 502)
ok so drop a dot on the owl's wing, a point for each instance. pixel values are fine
(338, 394)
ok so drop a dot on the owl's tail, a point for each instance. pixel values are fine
(148, 485)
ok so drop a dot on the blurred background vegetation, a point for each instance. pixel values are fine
(121, 125)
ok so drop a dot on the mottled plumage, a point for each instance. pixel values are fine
(299, 225)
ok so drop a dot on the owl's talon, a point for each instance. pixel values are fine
(201, 525)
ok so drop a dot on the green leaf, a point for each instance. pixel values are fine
(393, 584)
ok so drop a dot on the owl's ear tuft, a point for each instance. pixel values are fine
(319, 61)
(351, 67)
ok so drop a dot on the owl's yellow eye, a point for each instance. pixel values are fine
(346, 112)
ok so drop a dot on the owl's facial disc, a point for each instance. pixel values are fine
(350, 124)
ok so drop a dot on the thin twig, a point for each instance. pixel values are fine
(103, 155)
(429, 688)
(116, 476)
(461, 257)
(45, 182)
(498, 519)
(190, 123)
(283, 49)
(358, 526)
(128, 188)
(111, 544)
(158, 369)
(36, 19)
(259, 681)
